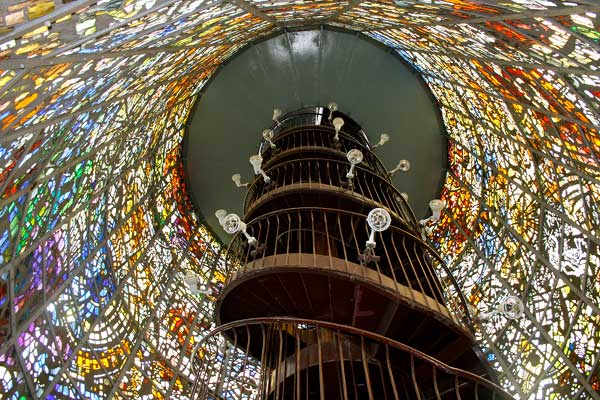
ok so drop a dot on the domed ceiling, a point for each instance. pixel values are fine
(307, 68)
(97, 232)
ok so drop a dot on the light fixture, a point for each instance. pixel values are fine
(276, 114)
(221, 214)
(256, 161)
(510, 307)
(383, 139)
(436, 206)
(337, 124)
(403, 165)
(196, 286)
(355, 157)
(268, 136)
(378, 220)
(232, 224)
(237, 179)
(332, 107)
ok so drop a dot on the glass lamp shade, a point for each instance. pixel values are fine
(221, 214)
(332, 106)
(511, 307)
(256, 161)
(338, 123)
(276, 114)
(267, 134)
(354, 156)
(232, 223)
(237, 179)
(404, 165)
(379, 219)
(436, 206)
(383, 139)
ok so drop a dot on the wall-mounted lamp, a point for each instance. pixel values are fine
(268, 136)
(337, 124)
(510, 307)
(383, 139)
(403, 165)
(256, 161)
(237, 179)
(276, 114)
(378, 220)
(332, 107)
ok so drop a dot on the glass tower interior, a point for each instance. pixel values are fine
(98, 232)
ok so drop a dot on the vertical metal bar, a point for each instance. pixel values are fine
(338, 337)
(457, 387)
(390, 372)
(320, 354)
(314, 243)
(297, 372)
(366, 367)
(414, 378)
(435, 384)
(339, 225)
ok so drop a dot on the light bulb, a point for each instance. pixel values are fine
(332, 107)
(232, 223)
(221, 214)
(337, 124)
(268, 136)
(354, 156)
(237, 179)
(403, 165)
(383, 139)
(379, 219)
(256, 161)
(276, 114)
(436, 206)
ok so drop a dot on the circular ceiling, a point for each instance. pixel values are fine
(307, 68)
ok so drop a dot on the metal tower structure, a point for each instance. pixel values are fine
(331, 288)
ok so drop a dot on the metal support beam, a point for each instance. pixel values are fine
(254, 11)
(505, 63)
(547, 13)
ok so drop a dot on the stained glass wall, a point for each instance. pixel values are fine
(96, 232)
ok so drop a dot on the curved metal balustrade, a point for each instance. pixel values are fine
(290, 358)
(335, 239)
(318, 116)
(320, 138)
(305, 250)
(329, 175)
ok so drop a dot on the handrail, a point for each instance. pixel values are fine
(367, 183)
(254, 227)
(301, 324)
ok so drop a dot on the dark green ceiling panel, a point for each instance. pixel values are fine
(305, 68)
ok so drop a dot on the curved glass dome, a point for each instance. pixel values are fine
(98, 237)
